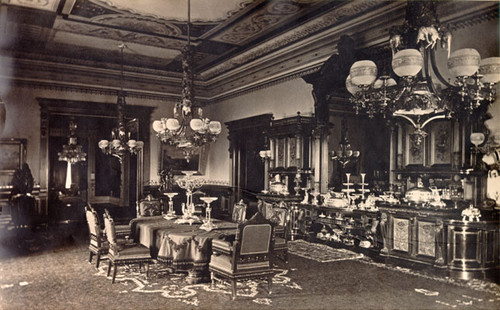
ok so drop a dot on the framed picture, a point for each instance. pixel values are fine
(12, 156)
(414, 152)
(173, 158)
(440, 143)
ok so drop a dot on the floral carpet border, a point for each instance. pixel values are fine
(320, 252)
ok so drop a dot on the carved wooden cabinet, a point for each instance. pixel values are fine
(472, 248)
(439, 237)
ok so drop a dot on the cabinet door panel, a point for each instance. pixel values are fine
(426, 239)
(401, 233)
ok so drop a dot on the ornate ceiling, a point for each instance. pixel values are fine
(240, 44)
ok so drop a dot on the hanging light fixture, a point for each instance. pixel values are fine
(344, 154)
(416, 97)
(120, 144)
(188, 130)
(72, 153)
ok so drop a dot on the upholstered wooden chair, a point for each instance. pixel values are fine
(98, 245)
(239, 212)
(247, 257)
(122, 231)
(149, 206)
(122, 254)
(281, 218)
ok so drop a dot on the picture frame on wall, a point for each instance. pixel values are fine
(12, 156)
(414, 153)
(173, 158)
(440, 143)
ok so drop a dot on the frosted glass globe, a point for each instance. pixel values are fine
(173, 124)
(363, 72)
(464, 62)
(407, 62)
(490, 69)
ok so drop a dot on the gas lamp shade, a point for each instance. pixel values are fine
(158, 126)
(464, 62)
(351, 88)
(490, 70)
(388, 81)
(172, 124)
(363, 72)
(477, 138)
(407, 62)
(196, 124)
(214, 127)
(103, 144)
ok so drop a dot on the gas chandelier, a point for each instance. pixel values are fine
(72, 152)
(415, 96)
(120, 144)
(344, 154)
(184, 130)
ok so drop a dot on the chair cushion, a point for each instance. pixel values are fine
(218, 244)
(133, 252)
(221, 262)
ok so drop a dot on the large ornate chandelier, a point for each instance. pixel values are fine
(416, 97)
(188, 130)
(120, 144)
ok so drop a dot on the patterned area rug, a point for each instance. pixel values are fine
(320, 252)
(174, 286)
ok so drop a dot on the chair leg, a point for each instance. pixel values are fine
(212, 277)
(234, 289)
(90, 256)
(140, 267)
(109, 268)
(269, 284)
(147, 270)
(114, 273)
(98, 258)
(286, 257)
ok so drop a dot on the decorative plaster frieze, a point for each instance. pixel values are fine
(92, 90)
(80, 28)
(346, 11)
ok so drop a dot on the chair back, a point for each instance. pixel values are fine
(239, 212)
(95, 231)
(253, 243)
(93, 221)
(280, 216)
(149, 206)
(109, 228)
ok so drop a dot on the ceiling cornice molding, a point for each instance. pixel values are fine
(348, 8)
(88, 89)
(262, 84)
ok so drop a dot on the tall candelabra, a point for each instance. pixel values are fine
(189, 184)
(208, 225)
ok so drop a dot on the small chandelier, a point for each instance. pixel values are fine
(188, 130)
(72, 152)
(120, 144)
(415, 97)
(344, 154)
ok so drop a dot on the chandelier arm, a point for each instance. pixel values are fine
(407, 118)
(436, 70)
(430, 119)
